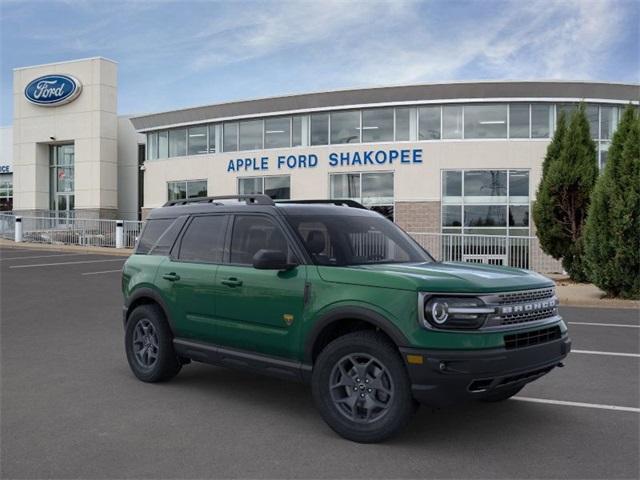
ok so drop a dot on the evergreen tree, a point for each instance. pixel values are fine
(564, 194)
(612, 232)
(548, 231)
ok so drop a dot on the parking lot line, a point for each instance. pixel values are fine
(104, 271)
(604, 324)
(69, 263)
(578, 404)
(613, 354)
(42, 256)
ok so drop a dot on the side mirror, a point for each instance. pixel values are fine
(271, 260)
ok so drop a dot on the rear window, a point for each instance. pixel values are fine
(158, 236)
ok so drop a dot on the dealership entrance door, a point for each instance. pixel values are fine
(61, 180)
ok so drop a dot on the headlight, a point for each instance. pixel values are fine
(455, 312)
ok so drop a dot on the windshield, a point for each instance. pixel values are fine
(341, 240)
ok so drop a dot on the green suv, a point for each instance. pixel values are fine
(333, 294)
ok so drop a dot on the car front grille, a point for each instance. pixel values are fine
(534, 337)
(525, 296)
(526, 306)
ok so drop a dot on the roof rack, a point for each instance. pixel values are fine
(249, 199)
(339, 202)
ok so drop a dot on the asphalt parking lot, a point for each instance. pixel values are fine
(70, 408)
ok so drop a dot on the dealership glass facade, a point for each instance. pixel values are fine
(485, 202)
(447, 122)
(277, 187)
(6, 192)
(184, 189)
(372, 189)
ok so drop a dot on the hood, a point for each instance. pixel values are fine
(458, 277)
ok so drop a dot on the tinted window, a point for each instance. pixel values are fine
(452, 184)
(485, 216)
(452, 121)
(251, 135)
(485, 121)
(320, 129)
(204, 239)
(519, 184)
(296, 131)
(178, 142)
(377, 125)
(485, 183)
(345, 127)
(153, 229)
(278, 188)
(429, 123)
(197, 140)
(230, 137)
(403, 123)
(168, 238)
(541, 120)
(341, 240)
(277, 132)
(519, 120)
(252, 233)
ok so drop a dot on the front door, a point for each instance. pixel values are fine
(259, 310)
(187, 279)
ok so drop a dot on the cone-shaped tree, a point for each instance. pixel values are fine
(563, 198)
(549, 230)
(612, 232)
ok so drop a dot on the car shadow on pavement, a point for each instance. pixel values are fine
(292, 402)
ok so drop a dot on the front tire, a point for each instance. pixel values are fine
(149, 345)
(361, 387)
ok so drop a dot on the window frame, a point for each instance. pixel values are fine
(262, 182)
(186, 188)
(506, 204)
(360, 173)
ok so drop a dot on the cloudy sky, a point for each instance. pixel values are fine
(174, 54)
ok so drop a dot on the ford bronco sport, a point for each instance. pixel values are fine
(330, 293)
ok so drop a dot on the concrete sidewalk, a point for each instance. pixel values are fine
(569, 293)
(588, 295)
(125, 252)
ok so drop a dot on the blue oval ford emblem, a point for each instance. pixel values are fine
(52, 90)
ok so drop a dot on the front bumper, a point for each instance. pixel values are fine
(447, 377)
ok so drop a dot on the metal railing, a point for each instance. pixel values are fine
(132, 229)
(7, 226)
(519, 252)
(72, 231)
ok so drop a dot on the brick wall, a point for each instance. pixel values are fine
(418, 216)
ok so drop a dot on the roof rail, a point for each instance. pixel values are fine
(339, 202)
(249, 199)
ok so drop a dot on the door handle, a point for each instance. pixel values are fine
(172, 277)
(232, 282)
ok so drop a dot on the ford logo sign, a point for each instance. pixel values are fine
(53, 90)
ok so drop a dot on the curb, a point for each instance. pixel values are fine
(124, 252)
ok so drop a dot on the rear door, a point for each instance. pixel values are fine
(188, 276)
(259, 310)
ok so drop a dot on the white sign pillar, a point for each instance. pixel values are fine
(18, 230)
(119, 234)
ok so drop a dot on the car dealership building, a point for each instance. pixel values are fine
(451, 157)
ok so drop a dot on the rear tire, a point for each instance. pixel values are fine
(361, 387)
(149, 345)
(501, 395)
